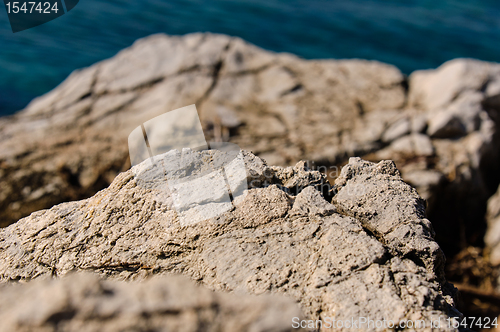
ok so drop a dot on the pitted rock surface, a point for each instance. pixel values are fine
(369, 253)
(439, 126)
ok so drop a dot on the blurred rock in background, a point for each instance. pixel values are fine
(84, 302)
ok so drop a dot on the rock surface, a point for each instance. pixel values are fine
(71, 142)
(446, 144)
(369, 253)
(83, 302)
(492, 237)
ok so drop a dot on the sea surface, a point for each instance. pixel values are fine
(411, 34)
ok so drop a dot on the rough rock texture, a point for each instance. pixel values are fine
(71, 142)
(459, 154)
(492, 238)
(369, 253)
(83, 302)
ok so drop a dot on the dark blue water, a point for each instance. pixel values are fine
(411, 34)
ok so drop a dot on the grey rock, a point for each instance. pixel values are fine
(418, 123)
(84, 302)
(436, 89)
(279, 106)
(492, 237)
(422, 145)
(408, 146)
(460, 101)
(459, 118)
(358, 195)
(398, 129)
(369, 253)
(276, 105)
(446, 125)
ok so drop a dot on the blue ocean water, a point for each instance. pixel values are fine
(411, 34)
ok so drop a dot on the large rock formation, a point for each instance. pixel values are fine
(72, 141)
(369, 253)
(461, 104)
(83, 302)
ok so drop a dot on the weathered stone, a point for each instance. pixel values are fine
(418, 123)
(458, 119)
(279, 106)
(396, 130)
(459, 101)
(446, 125)
(358, 189)
(83, 302)
(273, 104)
(436, 89)
(407, 147)
(370, 253)
(492, 237)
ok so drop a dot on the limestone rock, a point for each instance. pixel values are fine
(358, 195)
(72, 142)
(83, 302)
(413, 145)
(436, 89)
(396, 130)
(369, 253)
(459, 102)
(492, 237)
(460, 118)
